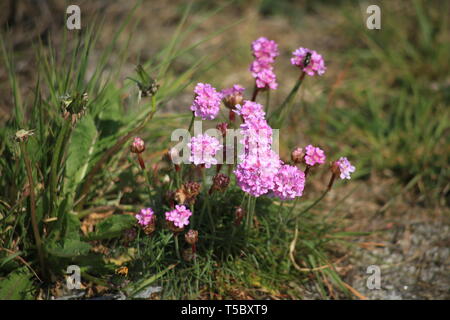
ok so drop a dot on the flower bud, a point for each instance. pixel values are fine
(238, 215)
(334, 167)
(297, 155)
(191, 237)
(233, 99)
(220, 182)
(137, 146)
(222, 127)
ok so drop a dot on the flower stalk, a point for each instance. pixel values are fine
(34, 223)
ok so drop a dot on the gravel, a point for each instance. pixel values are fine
(413, 263)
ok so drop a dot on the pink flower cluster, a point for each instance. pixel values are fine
(315, 65)
(179, 216)
(265, 51)
(145, 216)
(203, 150)
(250, 111)
(261, 170)
(345, 167)
(259, 163)
(314, 155)
(207, 101)
(289, 182)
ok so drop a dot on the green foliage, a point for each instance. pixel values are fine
(389, 105)
(17, 285)
(112, 227)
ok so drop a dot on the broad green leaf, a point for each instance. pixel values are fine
(16, 286)
(112, 227)
(81, 149)
(68, 249)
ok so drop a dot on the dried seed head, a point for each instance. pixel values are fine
(220, 182)
(188, 193)
(22, 135)
(151, 227)
(146, 84)
(137, 146)
(74, 107)
(172, 227)
(150, 90)
(191, 237)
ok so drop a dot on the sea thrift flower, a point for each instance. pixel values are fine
(145, 217)
(179, 216)
(255, 174)
(250, 110)
(203, 150)
(345, 168)
(264, 76)
(309, 61)
(137, 146)
(289, 183)
(232, 96)
(259, 163)
(314, 155)
(207, 101)
(265, 51)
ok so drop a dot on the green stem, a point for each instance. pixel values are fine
(255, 92)
(34, 223)
(177, 248)
(310, 206)
(192, 122)
(267, 102)
(208, 206)
(289, 98)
